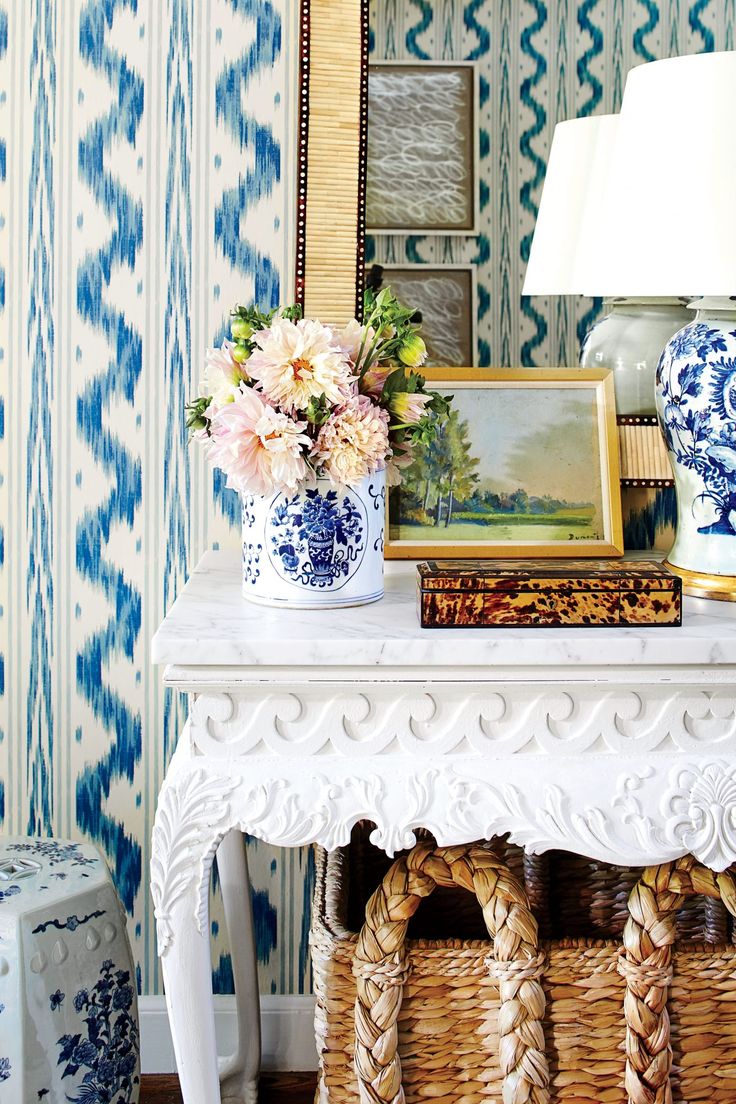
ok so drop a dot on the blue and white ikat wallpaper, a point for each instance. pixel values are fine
(146, 183)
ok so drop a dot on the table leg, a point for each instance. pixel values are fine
(239, 1072)
(192, 816)
(187, 973)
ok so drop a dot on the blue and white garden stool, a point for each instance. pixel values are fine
(68, 1007)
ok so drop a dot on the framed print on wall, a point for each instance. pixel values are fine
(526, 466)
(422, 148)
(446, 295)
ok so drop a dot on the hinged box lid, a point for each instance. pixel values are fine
(493, 575)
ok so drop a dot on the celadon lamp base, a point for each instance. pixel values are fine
(696, 407)
(629, 340)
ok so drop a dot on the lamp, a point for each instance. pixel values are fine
(671, 225)
(571, 201)
(567, 258)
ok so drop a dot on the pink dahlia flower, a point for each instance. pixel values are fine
(373, 379)
(353, 443)
(402, 458)
(222, 376)
(260, 449)
(294, 362)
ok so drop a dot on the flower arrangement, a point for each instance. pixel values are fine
(288, 399)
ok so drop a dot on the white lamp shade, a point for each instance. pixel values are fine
(570, 210)
(670, 227)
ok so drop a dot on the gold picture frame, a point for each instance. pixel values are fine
(579, 498)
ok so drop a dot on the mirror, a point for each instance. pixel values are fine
(330, 257)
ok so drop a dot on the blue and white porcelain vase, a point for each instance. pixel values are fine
(696, 405)
(318, 547)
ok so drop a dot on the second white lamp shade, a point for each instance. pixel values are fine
(571, 208)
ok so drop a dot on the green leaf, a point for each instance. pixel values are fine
(395, 383)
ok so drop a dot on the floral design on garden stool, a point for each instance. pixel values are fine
(68, 1007)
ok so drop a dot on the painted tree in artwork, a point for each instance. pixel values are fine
(445, 472)
(461, 474)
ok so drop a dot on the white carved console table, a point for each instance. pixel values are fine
(618, 744)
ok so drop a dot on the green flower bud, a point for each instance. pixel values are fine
(409, 407)
(240, 353)
(241, 330)
(413, 351)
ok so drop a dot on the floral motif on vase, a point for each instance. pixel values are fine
(315, 539)
(696, 384)
(378, 498)
(71, 923)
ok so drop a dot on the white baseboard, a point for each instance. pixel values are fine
(287, 1028)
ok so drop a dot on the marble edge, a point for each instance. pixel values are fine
(184, 651)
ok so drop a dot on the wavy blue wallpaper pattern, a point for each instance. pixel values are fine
(539, 61)
(146, 182)
(142, 191)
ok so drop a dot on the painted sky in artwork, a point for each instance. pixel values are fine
(544, 440)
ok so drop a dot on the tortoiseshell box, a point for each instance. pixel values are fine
(520, 593)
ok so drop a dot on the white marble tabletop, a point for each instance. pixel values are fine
(211, 624)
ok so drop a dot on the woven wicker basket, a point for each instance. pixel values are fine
(471, 1021)
(571, 897)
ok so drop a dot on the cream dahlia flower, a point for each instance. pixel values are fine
(352, 337)
(222, 376)
(353, 443)
(294, 362)
(260, 449)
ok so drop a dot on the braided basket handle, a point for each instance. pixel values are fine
(380, 969)
(647, 967)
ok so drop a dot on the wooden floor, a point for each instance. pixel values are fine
(276, 1088)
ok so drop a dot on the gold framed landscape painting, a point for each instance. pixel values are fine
(526, 465)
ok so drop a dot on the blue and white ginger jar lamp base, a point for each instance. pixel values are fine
(319, 547)
(696, 406)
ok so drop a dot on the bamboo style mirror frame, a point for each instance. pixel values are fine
(333, 121)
